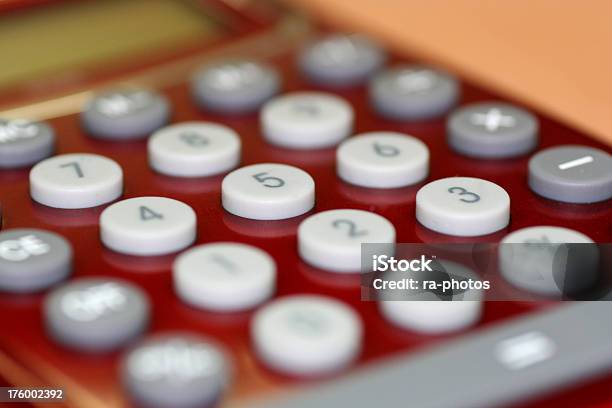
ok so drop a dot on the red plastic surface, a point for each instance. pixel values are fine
(91, 380)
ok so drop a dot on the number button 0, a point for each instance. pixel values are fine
(463, 206)
(268, 192)
(76, 181)
(331, 240)
(382, 160)
(327, 333)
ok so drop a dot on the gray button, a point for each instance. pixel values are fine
(341, 60)
(548, 260)
(32, 260)
(492, 130)
(96, 314)
(501, 364)
(175, 370)
(413, 92)
(24, 142)
(573, 174)
(125, 114)
(234, 86)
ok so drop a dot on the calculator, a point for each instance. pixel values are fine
(184, 228)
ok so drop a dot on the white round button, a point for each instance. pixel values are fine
(382, 160)
(460, 310)
(463, 206)
(306, 120)
(542, 260)
(224, 276)
(148, 226)
(79, 180)
(332, 239)
(268, 192)
(194, 149)
(307, 335)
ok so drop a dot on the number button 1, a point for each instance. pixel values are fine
(76, 181)
(463, 206)
(331, 240)
(224, 276)
(268, 192)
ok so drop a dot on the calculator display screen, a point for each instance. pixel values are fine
(74, 34)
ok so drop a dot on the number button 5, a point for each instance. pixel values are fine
(268, 192)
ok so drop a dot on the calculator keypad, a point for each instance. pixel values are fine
(326, 332)
(148, 226)
(125, 114)
(194, 149)
(306, 120)
(32, 260)
(24, 142)
(96, 314)
(77, 180)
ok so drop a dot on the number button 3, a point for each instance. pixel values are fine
(463, 206)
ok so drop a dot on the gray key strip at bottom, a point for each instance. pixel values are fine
(503, 364)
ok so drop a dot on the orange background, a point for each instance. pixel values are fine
(552, 54)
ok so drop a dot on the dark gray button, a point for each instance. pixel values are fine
(24, 142)
(549, 260)
(175, 370)
(413, 92)
(32, 260)
(492, 130)
(124, 114)
(573, 174)
(341, 60)
(234, 86)
(96, 314)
